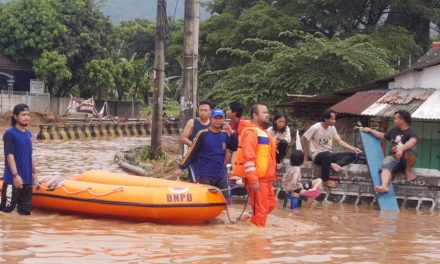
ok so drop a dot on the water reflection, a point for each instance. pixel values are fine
(330, 233)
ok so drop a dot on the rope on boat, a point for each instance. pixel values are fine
(88, 189)
(216, 190)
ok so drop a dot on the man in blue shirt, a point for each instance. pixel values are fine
(20, 172)
(208, 151)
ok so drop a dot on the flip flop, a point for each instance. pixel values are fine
(312, 193)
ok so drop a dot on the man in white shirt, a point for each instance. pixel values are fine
(321, 136)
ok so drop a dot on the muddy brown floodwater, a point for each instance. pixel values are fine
(327, 233)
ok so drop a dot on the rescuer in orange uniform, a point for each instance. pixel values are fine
(256, 164)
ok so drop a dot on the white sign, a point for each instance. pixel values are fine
(37, 87)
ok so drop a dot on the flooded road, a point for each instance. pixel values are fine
(327, 233)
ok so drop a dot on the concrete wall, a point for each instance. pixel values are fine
(427, 78)
(45, 103)
(37, 103)
(356, 187)
(59, 105)
(124, 109)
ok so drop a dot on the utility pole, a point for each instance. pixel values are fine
(159, 78)
(188, 99)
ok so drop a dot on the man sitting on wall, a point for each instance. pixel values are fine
(321, 136)
(403, 154)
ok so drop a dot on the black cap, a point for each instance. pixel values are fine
(20, 108)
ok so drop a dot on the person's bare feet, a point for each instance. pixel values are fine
(335, 167)
(410, 175)
(381, 189)
(335, 178)
(330, 184)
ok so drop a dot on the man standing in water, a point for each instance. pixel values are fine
(256, 164)
(403, 152)
(192, 127)
(321, 136)
(20, 172)
(208, 151)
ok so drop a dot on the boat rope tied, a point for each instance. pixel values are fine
(216, 190)
(242, 212)
(88, 189)
(117, 189)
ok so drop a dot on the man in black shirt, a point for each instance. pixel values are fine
(403, 152)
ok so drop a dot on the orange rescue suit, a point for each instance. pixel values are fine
(256, 161)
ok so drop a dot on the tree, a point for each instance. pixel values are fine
(141, 78)
(52, 69)
(315, 65)
(28, 27)
(234, 7)
(261, 20)
(100, 79)
(88, 37)
(135, 37)
(399, 44)
(124, 81)
(74, 28)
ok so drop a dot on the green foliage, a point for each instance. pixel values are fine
(28, 27)
(52, 68)
(250, 50)
(141, 78)
(121, 80)
(261, 20)
(399, 43)
(73, 28)
(88, 37)
(314, 65)
(124, 81)
(100, 79)
(135, 37)
(148, 154)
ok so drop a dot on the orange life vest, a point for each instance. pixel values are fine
(263, 155)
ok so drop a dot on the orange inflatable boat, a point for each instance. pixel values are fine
(107, 194)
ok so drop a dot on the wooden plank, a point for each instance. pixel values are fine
(373, 152)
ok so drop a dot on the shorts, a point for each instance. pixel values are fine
(394, 165)
(12, 197)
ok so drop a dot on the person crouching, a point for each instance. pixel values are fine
(291, 182)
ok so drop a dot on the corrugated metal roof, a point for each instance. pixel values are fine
(398, 99)
(430, 109)
(358, 102)
(388, 110)
(405, 96)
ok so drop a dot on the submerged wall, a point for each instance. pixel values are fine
(101, 130)
(356, 187)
